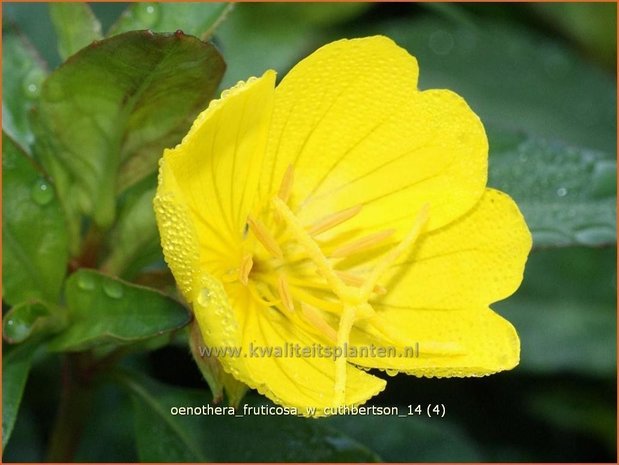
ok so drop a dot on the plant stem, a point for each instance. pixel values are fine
(75, 403)
(90, 250)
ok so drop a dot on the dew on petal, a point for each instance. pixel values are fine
(204, 298)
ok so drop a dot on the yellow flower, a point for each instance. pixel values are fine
(344, 208)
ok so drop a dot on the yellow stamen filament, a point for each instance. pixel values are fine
(314, 252)
(285, 188)
(395, 253)
(246, 265)
(262, 234)
(284, 293)
(364, 243)
(343, 334)
(272, 302)
(322, 304)
(357, 281)
(315, 319)
(299, 294)
(330, 221)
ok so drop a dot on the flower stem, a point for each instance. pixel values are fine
(75, 404)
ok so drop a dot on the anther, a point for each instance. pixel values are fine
(246, 265)
(357, 281)
(262, 234)
(387, 260)
(315, 319)
(359, 245)
(330, 221)
(285, 188)
(284, 293)
(314, 251)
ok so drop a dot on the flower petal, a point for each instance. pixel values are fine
(468, 342)
(232, 318)
(179, 239)
(217, 167)
(473, 262)
(350, 120)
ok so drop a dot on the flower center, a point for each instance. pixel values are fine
(288, 269)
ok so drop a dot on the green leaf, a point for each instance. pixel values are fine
(15, 368)
(28, 319)
(76, 26)
(225, 438)
(134, 240)
(565, 312)
(513, 78)
(160, 436)
(111, 110)
(111, 418)
(33, 230)
(567, 194)
(23, 73)
(197, 19)
(106, 310)
(410, 439)
(276, 438)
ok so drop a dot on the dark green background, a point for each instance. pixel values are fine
(546, 70)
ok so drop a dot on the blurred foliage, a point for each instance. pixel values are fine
(541, 77)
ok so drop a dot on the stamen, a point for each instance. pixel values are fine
(343, 334)
(262, 234)
(357, 281)
(364, 243)
(254, 292)
(322, 304)
(284, 293)
(395, 253)
(299, 294)
(285, 188)
(315, 319)
(332, 220)
(314, 252)
(246, 265)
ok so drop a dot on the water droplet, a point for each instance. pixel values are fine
(561, 191)
(17, 331)
(441, 42)
(596, 235)
(113, 289)
(391, 372)
(86, 282)
(204, 297)
(31, 85)
(42, 192)
(147, 13)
